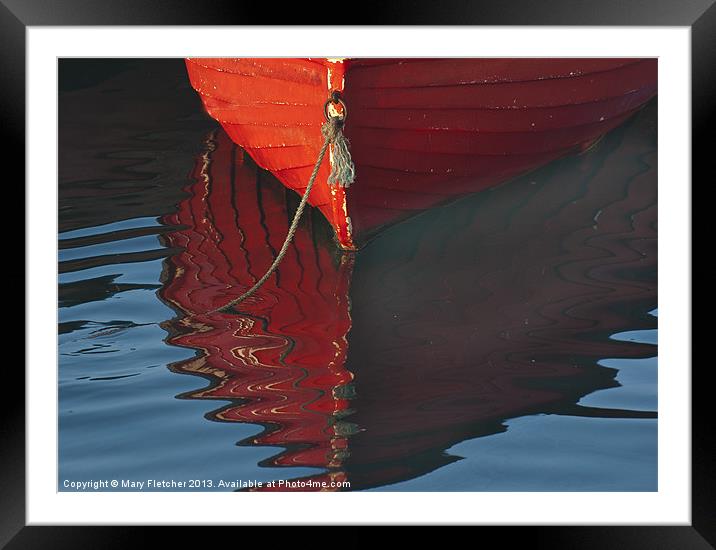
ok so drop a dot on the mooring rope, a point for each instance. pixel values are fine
(342, 172)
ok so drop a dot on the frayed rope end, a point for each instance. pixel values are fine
(343, 170)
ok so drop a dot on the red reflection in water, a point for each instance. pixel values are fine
(283, 355)
(489, 309)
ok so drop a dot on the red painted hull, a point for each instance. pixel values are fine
(422, 131)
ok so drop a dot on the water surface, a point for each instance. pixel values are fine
(504, 342)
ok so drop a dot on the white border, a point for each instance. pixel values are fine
(670, 505)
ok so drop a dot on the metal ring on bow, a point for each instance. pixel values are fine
(336, 100)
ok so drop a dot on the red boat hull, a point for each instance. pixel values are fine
(422, 131)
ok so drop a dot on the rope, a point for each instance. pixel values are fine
(342, 170)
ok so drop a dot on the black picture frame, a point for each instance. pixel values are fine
(17, 15)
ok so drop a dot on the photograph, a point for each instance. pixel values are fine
(357, 274)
